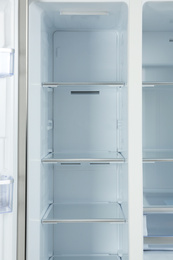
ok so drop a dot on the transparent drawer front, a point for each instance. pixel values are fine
(6, 62)
(6, 194)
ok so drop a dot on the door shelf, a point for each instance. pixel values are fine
(6, 194)
(158, 156)
(6, 62)
(109, 212)
(61, 84)
(88, 257)
(97, 157)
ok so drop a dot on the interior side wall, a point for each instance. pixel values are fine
(85, 123)
(157, 106)
(157, 114)
(86, 56)
(86, 238)
(157, 56)
(158, 176)
(87, 183)
(40, 177)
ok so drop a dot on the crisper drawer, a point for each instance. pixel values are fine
(159, 232)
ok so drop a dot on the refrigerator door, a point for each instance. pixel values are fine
(8, 128)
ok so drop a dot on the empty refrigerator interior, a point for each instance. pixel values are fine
(77, 131)
(158, 129)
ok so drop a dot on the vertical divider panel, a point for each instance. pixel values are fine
(135, 131)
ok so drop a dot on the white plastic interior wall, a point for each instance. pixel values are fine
(157, 120)
(65, 46)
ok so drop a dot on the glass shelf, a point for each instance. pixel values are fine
(158, 156)
(84, 213)
(102, 157)
(153, 84)
(85, 257)
(59, 84)
(158, 202)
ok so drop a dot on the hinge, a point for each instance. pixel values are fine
(119, 124)
(50, 125)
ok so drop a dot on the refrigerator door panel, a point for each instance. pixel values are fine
(8, 129)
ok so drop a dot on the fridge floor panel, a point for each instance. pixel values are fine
(83, 213)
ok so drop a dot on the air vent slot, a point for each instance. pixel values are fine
(85, 92)
(70, 164)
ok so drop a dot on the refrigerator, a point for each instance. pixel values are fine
(86, 130)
